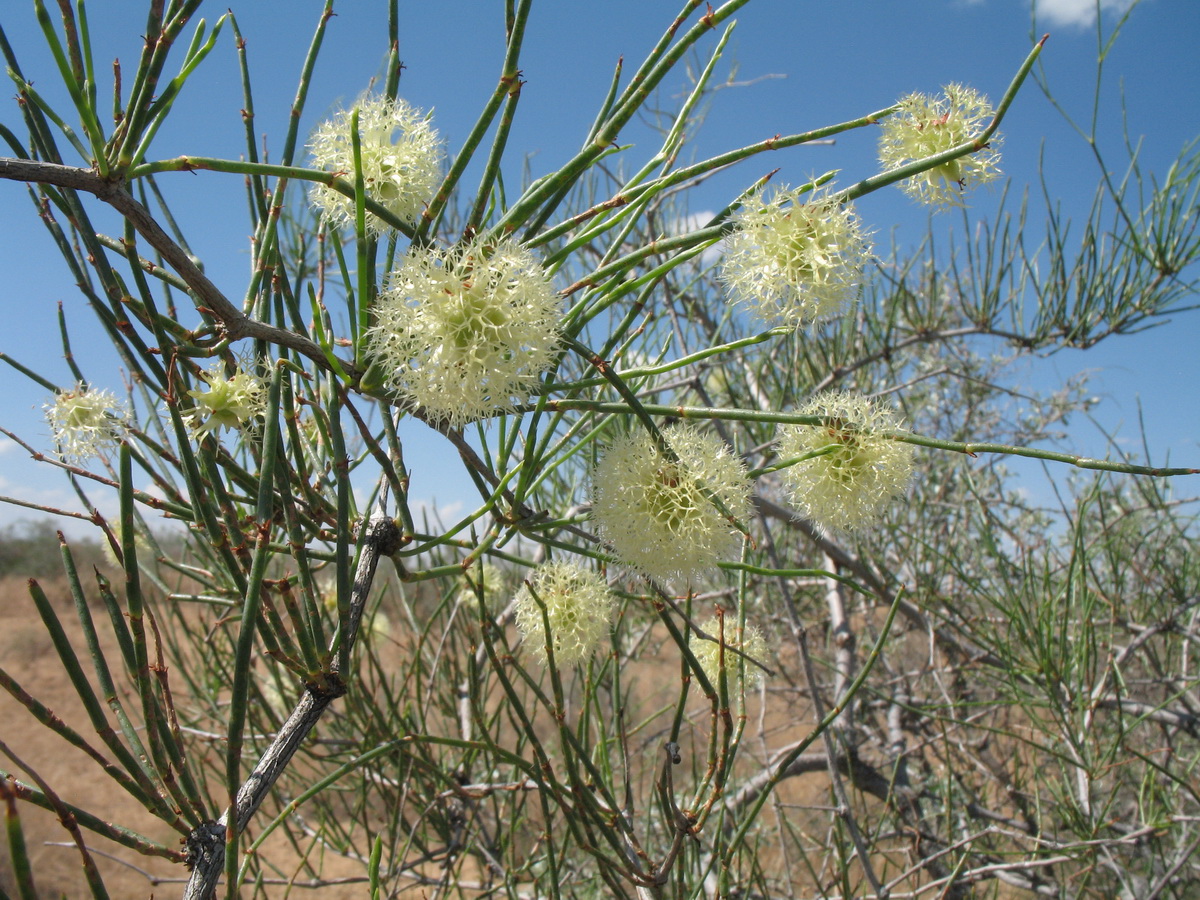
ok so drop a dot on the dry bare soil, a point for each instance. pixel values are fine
(28, 655)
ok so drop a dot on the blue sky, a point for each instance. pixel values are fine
(804, 64)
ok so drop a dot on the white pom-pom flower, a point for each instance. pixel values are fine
(401, 159)
(791, 262)
(466, 332)
(86, 422)
(658, 514)
(230, 402)
(858, 467)
(483, 582)
(578, 606)
(925, 126)
(712, 655)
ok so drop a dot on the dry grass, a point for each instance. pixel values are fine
(800, 807)
(29, 656)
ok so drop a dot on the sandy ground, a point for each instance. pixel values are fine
(28, 655)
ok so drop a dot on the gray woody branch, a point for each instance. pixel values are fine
(207, 843)
(206, 295)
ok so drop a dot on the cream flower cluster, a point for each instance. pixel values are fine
(711, 655)
(658, 514)
(466, 332)
(578, 606)
(484, 582)
(230, 401)
(925, 126)
(86, 422)
(400, 154)
(855, 466)
(791, 262)
(142, 548)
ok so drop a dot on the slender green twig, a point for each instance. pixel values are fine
(966, 447)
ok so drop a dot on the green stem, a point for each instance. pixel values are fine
(701, 413)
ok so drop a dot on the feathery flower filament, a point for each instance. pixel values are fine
(230, 401)
(713, 657)
(659, 514)
(400, 155)
(467, 332)
(925, 126)
(850, 466)
(86, 422)
(791, 262)
(484, 584)
(577, 605)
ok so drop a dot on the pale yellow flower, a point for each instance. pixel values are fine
(484, 580)
(142, 547)
(230, 401)
(467, 332)
(925, 126)
(657, 514)
(578, 606)
(86, 422)
(712, 656)
(791, 262)
(401, 159)
(858, 467)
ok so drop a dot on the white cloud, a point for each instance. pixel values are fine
(437, 514)
(690, 222)
(694, 222)
(1080, 13)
